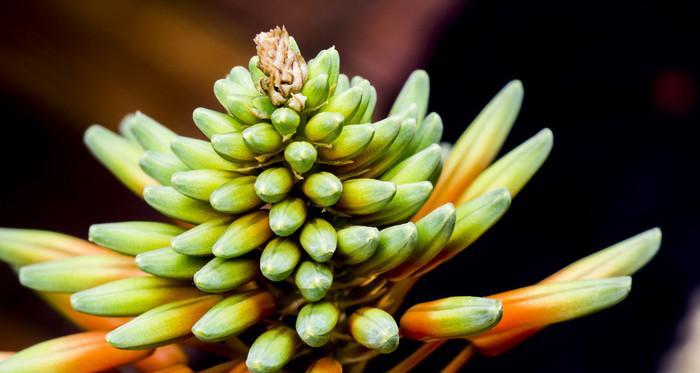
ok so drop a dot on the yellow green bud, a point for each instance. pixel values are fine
(20, 247)
(300, 155)
(394, 152)
(255, 73)
(357, 243)
(232, 146)
(343, 84)
(167, 263)
(133, 237)
(200, 184)
(233, 315)
(316, 91)
(220, 275)
(396, 244)
(409, 198)
(313, 280)
(150, 134)
(319, 239)
(315, 322)
(326, 62)
(375, 329)
(323, 188)
(324, 127)
(212, 122)
(345, 103)
(414, 92)
(365, 196)
(199, 154)
(169, 202)
(272, 350)
(429, 132)
(385, 131)
(262, 138)
(418, 167)
(273, 184)
(246, 233)
(362, 106)
(131, 296)
(198, 241)
(236, 196)
(353, 139)
(287, 216)
(161, 166)
(279, 258)
(285, 121)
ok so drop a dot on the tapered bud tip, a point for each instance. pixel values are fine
(515, 88)
(279, 258)
(285, 120)
(301, 156)
(323, 189)
(375, 329)
(273, 184)
(319, 239)
(324, 127)
(272, 350)
(357, 243)
(262, 138)
(315, 322)
(287, 216)
(313, 280)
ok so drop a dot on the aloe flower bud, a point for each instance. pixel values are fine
(272, 350)
(418, 167)
(78, 273)
(198, 241)
(279, 258)
(326, 62)
(415, 91)
(323, 188)
(365, 196)
(256, 75)
(345, 103)
(316, 91)
(385, 132)
(319, 239)
(285, 121)
(429, 132)
(357, 243)
(198, 154)
(234, 315)
(150, 134)
(262, 138)
(325, 365)
(352, 140)
(374, 329)
(220, 275)
(177, 206)
(236, 196)
(313, 280)
(243, 235)
(396, 244)
(300, 155)
(406, 202)
(167, 263)
(454, 317)
(273, 184)
(131, 296)
(324, 127)
(147, 331)
(20, 247)
(287, 216)
(212, 122)
(393, 154)
(133, 237)
(87, 352)
(315, 322)
(232, 146)
(161, 166)
(200, 184)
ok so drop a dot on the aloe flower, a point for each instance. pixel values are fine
(296, 229)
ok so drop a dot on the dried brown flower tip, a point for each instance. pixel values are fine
(284, 68)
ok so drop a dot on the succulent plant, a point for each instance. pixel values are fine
(297, 229)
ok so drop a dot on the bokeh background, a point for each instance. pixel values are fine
(617, 82)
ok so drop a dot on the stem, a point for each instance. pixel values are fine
(459, 360)
(417, 357)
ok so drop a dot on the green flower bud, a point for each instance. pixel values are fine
(220, 275)
(243, 235)
(234, 315)
(345, 103)
(240, 107)
(262, 107)
(287, 216)
(273, 184)
(300, 155)
(150, 134)
(319, 239)
(365, 196)
(385, 131)
(236, 196)
(212, 122)
(367, 89)
(414, 92)
(199, 154)
(161, 166)
(313, 280)
(169, 202)
(409, 198)
(285, 121)
(255, 73)
(272, 350)
(146, 330)
(343, 84)
(393, 153)
(77, 273)
(324, 127)
(375, 329)
(241, 77)
(323, 189)
(371, 93)
(357, 243)
(200, 184)
(326, 62)
(396, 243)
(231, 145)
(262, 138)
(352, 140)
(418, 167)
(279, 258)
(167, 263)
(198, 241)
(429, 132)
(131, 296)
(133, 237)
(316, 91)
(315, 322)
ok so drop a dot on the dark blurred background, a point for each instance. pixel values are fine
(617, 82)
